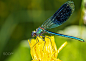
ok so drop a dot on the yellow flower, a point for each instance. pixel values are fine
(44, 50)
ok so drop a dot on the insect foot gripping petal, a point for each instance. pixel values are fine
(48, 53)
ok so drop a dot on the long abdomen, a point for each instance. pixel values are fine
(65, 36)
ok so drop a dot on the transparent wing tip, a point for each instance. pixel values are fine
(71, 4)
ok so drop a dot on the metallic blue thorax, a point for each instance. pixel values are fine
(39, 31)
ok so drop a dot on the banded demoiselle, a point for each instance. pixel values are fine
(60, 16)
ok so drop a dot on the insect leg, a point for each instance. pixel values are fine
(45, 41)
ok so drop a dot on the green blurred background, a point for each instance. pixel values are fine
(18, 18)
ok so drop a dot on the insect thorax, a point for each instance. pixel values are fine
(39, 31)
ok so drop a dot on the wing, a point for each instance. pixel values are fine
(61, 15)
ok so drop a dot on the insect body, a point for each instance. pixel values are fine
(61, 15)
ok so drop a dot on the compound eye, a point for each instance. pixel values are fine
(33, 34)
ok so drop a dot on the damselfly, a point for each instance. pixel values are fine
(61, 15)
